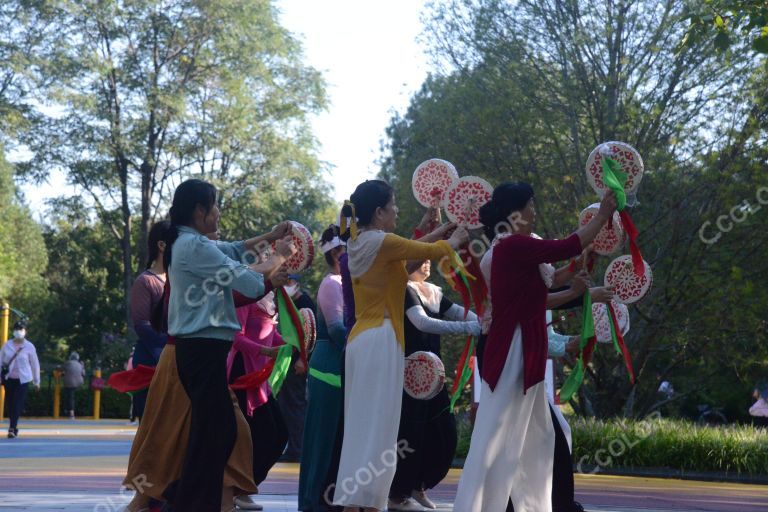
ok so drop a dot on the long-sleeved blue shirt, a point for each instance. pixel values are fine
(203, 273)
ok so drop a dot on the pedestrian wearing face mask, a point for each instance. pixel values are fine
(292, 397)
(20, 366)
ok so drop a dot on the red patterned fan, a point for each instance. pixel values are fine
(630, 160)
(310, 329)
(602, 325)
(305, 248)
(610, 237)
(463, 200)
(431, 179)
(424, 375)
(628, 286)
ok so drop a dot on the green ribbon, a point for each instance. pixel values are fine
(574, 380)
(329, 378)
(614, 178)
(287, 329)
(291, 337)
(280, 370)
(466, 374)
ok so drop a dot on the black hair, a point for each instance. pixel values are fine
(506, 198)
(368, 196)
(328, 235)
(20, 324)
(186, 197)
(157, 233)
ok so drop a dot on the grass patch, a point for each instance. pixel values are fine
(661, 443)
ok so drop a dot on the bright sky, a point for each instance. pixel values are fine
(368, 54)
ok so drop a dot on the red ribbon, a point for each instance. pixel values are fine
(460, 366)
(132, 380)
(254, 379)
(637, 258)
(622, 345)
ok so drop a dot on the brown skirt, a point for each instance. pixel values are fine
(157, 454)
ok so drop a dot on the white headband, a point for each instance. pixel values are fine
(331, 244)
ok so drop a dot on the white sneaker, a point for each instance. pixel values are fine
(406, 504)
(423, 499)
(245, 502)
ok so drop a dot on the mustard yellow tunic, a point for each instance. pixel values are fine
(380, 290)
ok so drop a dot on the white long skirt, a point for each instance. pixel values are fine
(373, 395)
(513, 445)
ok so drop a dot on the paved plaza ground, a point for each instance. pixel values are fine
(78, 466)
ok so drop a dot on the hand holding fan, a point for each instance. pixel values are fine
(305, 248)
(610, 238)
(627, 157)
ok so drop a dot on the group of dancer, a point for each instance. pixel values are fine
(367, 445)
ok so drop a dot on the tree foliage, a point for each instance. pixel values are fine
(23, 256)
(141, 94)
(529, 88)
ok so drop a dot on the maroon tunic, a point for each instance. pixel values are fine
(519, 296)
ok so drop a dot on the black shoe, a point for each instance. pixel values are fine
(12, 433)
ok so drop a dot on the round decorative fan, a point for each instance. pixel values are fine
(310, 329)
(630, 160)
(602, 325)
(305, 248)
(628, 286)
(431, 179)
(462, 201)
(424, 375)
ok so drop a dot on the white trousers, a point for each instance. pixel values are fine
(513, 445)
(373, 395)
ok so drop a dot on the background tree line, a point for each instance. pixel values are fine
(525, 90)
(127, 98)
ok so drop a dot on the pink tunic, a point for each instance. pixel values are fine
(259, 330)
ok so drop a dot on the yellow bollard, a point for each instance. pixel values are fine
(5, 317)
(56, 393)
(97, 396)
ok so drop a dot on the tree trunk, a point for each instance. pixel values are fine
(146, 200)
(125, 208)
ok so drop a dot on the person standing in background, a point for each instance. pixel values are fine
(292, 397)
(74, 377)
(20, 366)
(146, 301)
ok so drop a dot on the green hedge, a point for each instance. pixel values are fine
(113, 404)
(677, 445)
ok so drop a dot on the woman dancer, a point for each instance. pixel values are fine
(146, 296)
(202, 319)
(514, 438)
(255, 345)
(374, 355)
(325, 399)
(428, 426)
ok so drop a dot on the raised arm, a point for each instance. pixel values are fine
(607, 206)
